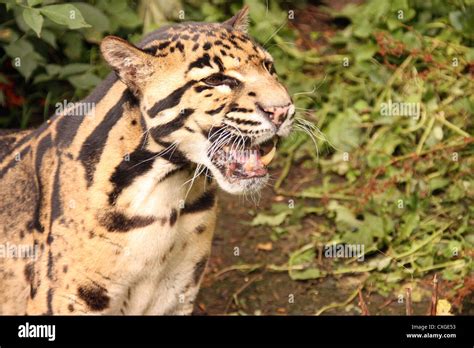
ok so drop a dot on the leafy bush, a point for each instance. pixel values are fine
(52, 54)
(400, 186)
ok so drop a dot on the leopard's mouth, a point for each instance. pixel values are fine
(245, 162)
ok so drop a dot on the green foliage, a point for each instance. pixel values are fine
(400, 186)
(53, 47)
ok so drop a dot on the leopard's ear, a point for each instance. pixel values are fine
(132, 65)
(240, 21)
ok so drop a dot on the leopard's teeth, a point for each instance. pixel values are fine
(268, 157)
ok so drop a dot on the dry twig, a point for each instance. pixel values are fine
(362, 304)
(409, 306)
(434, 295)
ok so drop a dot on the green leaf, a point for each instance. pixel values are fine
(365, 52)
(19, 48)
(345, 219)
(278, 232)
(67, 15)
(372, 228)
(74, 45)
(452, 249)
(258, 10)
(120, 14)
(438, 183)
(399, 5)
(42, 78)
(304, 257)
(393, 23)
(309, 273)
(74, 69)
(53, 69)
(382, 149)
(455, 18)
(34, 19)
(20, 22)
(411, 222)
(95, 17)
(456, 192)
(24, 57)
(383, 262)
(49, 37)
(32, 3)
(270, 220)
(343, 132)
(85, 81)
(469, 55)
(363, 30)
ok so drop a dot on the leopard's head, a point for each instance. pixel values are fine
(211, 92)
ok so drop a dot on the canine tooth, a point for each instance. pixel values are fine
(268, 157)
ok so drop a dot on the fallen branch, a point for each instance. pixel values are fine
(244, 268)
(434, 295)
(362, 304)
(339, 304)
(235, 296)
(409, 306)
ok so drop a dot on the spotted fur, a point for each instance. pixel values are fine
(105, 198)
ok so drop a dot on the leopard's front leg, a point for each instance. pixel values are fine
(80, 275)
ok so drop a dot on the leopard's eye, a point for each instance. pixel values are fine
(221, 79)
(268, 65)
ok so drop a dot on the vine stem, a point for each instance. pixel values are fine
(391, 80)
(425, 135)
(285, 171)
(451, 126)
(340, 304)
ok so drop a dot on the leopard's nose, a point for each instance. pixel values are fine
(276, 114)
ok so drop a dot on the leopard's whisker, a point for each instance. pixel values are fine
(275, 32)
(306, 92)
(159, 154)
(279, 44)
(199, 169)
(298, 108)
(310, 134)
(222, 140)
(145, 140)
(314, 130)
(315, 88)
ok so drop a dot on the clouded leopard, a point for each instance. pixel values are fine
(118, 203)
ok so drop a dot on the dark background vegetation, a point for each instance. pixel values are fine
(402, 187)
